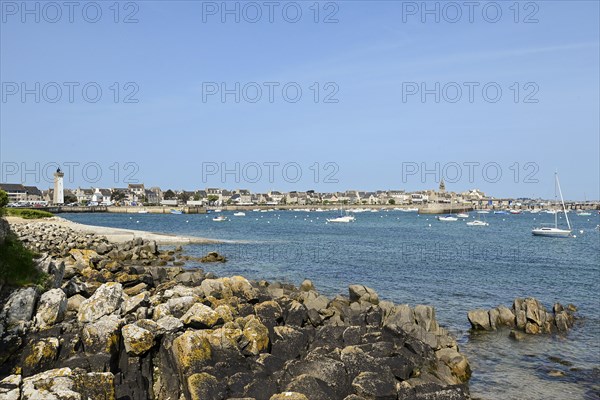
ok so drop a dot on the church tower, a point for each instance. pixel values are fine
(59, 195)
(442, 186)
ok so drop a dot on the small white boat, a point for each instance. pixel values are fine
(584, 214)
(176, 212)
(220, 218)
(483, 212)
(143, 212)
(477, 223)
(256, 210)
(551, 231)
(447, 218)
(535, 211)
(409, 209)
(342, 219)
(462, 215)
(515, 211)
(239, 214)
(218, 210)
(555, 231)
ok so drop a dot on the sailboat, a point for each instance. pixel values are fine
(342, 218)
(555, 231)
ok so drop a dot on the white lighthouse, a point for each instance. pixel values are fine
(59, 195)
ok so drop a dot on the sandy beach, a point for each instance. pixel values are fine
(117, 235)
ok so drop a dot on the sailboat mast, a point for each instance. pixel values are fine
(555, 201)
(563, 202)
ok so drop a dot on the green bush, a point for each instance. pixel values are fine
(28, 213)
(17, 264)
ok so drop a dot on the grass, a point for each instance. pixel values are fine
(28, 213)
(17, 264)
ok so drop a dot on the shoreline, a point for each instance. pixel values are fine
(118, 235)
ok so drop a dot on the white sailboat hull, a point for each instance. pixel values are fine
(344, 219)
(477, 223)
(551, 232)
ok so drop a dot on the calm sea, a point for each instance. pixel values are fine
(415, 259)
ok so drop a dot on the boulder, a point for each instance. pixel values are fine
(74, 302)
(10, 387)
(256, 336)
(288, 396)
(19, 308)
(201, 316)
(204, 386)
(170, 324)
(479, 319)
(425, 317)
(458, 363)
(191, 351)
(52, 308)
(213, 256)
(102, 336)
(106, 300)
(137, 340)
(371, 385)
(363, 293)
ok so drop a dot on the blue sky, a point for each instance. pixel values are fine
(369, 60)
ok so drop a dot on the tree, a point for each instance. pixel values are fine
(391, 201)
(212, 198)
(196, 197)
(3, 199)
(184, 197)
(69, 198)
(169, 195)
(117, 196)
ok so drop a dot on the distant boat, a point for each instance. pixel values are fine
(447, 218)
(239, 214)
(477, 223)
(462, 215)
(555, 231)
(220, 218)
(535, 211)
(483, 212)
(143, 212)
(177, 212)
(515, 211)
(584, 214)
(342, 219)
(409, 209)
(218, 210)
(501, 212)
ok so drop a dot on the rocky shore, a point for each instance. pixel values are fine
(527, 316)
(124, 321)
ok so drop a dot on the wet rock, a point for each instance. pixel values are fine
(457, 362)
(307, 286)
(213, 256)
(479, 319)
